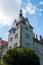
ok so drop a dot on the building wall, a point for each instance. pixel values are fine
(38, 47)
(14, 40)
(0, 47)
(4, 49)
(25, 39)
(0, 51)
(25, 36)
(39, 51)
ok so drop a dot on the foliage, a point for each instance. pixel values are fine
(21, 56)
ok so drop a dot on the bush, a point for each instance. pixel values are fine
(23, 56)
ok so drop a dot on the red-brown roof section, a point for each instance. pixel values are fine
(36, 40)
(4, 43)
(21, 20)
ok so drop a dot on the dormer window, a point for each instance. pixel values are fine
(14, 24)
(27, 22)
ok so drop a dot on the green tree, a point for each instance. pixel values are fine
(23, 56)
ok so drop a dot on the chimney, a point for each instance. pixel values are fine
(40, 38)
(36, 36)
(33, 35)
(0, 39)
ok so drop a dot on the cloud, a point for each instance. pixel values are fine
(41, 2)
(24, 11)
(35, 21)
(9, 9)
(30, 8)
(4, 19)
(41, 10)
(40, 14)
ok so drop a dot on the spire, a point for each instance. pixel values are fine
(20, 14)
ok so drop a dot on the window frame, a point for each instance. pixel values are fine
(16, 35)
(11, 38)
(15, 45)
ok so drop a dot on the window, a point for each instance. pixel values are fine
(24, 23)
(10, 32)
(14, 30)
(28, 45)
(26, 28)
(18, 26)
(37, 49)
(27, 36)
(42, 50)
(16, 36)
(11, 39)
(10, 46)
(15, 45)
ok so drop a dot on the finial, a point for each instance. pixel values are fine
(20, 14)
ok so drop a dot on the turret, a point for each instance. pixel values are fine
(14, 24)
(36, 37)
(41, 39)
(20, 14)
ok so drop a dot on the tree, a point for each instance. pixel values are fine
(21, 56)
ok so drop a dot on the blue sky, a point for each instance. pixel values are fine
(9, 11)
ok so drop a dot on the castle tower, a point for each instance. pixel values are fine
(22, 35)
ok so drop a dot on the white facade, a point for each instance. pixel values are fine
(14, 40)
(24, 35)
(21, 35)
